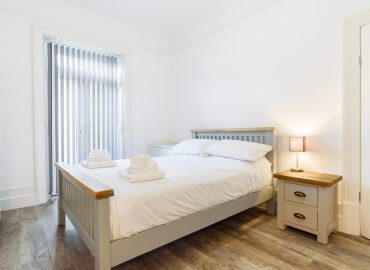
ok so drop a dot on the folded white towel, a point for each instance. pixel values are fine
(133, 170)
(141, 163)
(134, 178)
(98, 164)
(98, 155)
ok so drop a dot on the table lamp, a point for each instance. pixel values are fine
(297, 144)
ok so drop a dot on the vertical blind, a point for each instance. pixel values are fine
(85, 102)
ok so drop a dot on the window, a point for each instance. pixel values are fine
(85, 103)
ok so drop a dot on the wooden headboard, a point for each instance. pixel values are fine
(265, 135)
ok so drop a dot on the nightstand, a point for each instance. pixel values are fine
(157, 150)
(308, 201)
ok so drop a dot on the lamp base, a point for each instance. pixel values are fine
(296, 170)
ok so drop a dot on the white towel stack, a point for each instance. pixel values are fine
(142, 168)
(98, 159)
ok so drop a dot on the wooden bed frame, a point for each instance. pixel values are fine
(85, 201)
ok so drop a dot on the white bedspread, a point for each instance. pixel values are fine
(192, 184)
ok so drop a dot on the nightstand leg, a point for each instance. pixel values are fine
(323, 238)
(280, 205)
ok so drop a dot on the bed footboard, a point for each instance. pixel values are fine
(86, 203)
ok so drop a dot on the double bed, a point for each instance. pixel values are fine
(119, 220)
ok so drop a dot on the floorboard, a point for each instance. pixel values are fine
(31, 239)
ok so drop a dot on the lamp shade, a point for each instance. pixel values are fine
(297, 144)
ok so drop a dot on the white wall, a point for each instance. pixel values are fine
(148, 90)
(17, 174)
(150, 100)
(280, 65)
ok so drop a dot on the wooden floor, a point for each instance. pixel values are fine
(30, 239)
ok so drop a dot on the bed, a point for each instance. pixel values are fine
(119, 221)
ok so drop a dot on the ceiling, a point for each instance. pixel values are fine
(162, 16)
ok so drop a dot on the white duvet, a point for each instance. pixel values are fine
(192, 184)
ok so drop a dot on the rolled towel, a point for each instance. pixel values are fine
(134, 178)
(141, 163)
(133, 170)
(98, 155)
(98, 164)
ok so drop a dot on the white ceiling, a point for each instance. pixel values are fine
(161, 16)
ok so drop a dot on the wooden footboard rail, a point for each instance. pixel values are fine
(86, 203)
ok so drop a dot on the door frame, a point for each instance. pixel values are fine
(351, 184)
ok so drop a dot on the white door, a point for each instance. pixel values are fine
(365, 131)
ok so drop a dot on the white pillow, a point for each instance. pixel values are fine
(242, 150)
(191, 146)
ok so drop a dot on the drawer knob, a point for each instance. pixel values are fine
(299, 215)
(299, 194)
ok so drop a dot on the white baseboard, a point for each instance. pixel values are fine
(18, 197)
(340, 217)
(349, 221)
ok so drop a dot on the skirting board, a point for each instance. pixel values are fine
(19, 197)
(340, 217)
(353, 211)
(350, 223)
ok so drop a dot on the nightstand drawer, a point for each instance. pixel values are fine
(300, 215)
(301, 194)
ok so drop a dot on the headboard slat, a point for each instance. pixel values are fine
(265, 135)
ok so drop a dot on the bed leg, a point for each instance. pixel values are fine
(102, 235)
(271, 207)
(61, 214)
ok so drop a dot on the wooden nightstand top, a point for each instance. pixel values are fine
(310, 178)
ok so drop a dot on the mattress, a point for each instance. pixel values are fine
(191, 184)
